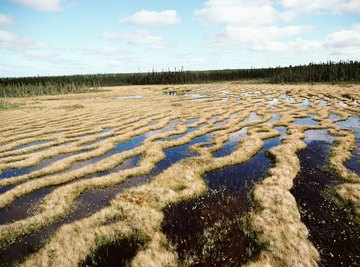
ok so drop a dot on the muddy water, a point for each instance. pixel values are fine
(208, 230)
(331, 227)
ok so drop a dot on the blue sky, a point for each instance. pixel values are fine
(56, 37)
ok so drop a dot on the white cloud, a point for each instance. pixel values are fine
(40, 56)
(15, 42)
(138, 37)
(265, 12)
(53, 59)
(345, 42)
(106, 51)
(117, 63)
(241, 12)
(41, 5)
(333, 6)
(347, 38)
(111, 35)
(145, 17)
(5, 20)
(262, 25)
(259, 37)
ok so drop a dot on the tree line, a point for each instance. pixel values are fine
(332, 72)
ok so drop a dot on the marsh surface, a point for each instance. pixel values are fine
(173, 170)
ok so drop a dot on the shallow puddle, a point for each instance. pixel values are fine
(322, 103)
(31, 144)
(130, 97)
(309, 121)
(120, 147)
(353, 123)
(341, 103)
(304, 104)
(274, 118)
(55, 133)
(288, 98)
(117, 254)
(89, 202)
(334, 117)
(202, 99)
(189, 122)
(273, 102)
(252, 93)
(20, 208)
(252, 117)
(194, 95)
(331, 228)
(208, 230)
(44, 163)
(231, 144)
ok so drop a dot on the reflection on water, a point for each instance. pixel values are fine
(330, 226)
(209, 229)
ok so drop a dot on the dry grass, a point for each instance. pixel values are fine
(137, 212)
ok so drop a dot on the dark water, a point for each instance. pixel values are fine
(192, 121)
(353, 123)
(230, 145)
(115, 254)
(42, 164)
(22, 207)
(121, 147)
(98, 140)
(209, 228)
(177, 136)
(6, 188)
(331, 227)
(88, 203)
(127, 164)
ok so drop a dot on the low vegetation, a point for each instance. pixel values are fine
(86, 138)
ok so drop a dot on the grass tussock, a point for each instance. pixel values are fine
(98, 128)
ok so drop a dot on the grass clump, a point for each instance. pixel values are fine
(280, 238)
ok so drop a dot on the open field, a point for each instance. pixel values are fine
(167, 175)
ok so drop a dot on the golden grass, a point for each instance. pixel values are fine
(137, 212)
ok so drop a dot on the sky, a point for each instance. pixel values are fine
(61, 37)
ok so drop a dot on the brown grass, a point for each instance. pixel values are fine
(137, 212)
